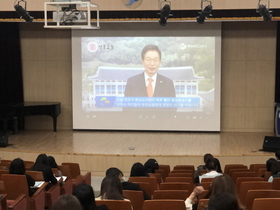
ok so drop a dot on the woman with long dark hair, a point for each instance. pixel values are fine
(138, 169)
(17, 167)
(85, 195)
(111, 188)
(41, 164)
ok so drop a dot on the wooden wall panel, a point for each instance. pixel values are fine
(38, 5)
(248, 74)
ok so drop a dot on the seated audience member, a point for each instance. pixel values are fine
(126, 185)
(218, 165)
(223, 201)
(275, 171)
(67, 202)
(211, 168)
(111, 189)
(17, 167)
(201, 167)
(223, 184)
(85, 195)
(138, 169)
(191, 201)
(151, 165)
(52, 163)
(269, 163)
(41, 164)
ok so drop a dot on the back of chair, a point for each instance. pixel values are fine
(256, 167)
(151, 180)
(235, 175)
(6, 163)
(266, 203)
(261, 172)
(136, 198)
(65, 170)
(53, 194)
(182, 171)
(267, 174)
(239, 180)
(253, 194)
(115, 204)
(19, 204)
(3, 172)
(207, 180)
(164, 205)
(229, 166)
(28, 164)
(206, 185)
(67, 188)
(146, 187)
(276, 184)
(87, 178)
(181, 179)
(180, 175)
(157, 176)
(165, 168)
(184, 167)
(162, 173)
(252, 185)
(171, 194)
(3, 201)
(15, 185)
(74, 169)
(176, 186)
(36, 175)
(232, 170)
(202, 204)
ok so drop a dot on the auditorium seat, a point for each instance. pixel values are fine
(184, 167)
(162, 173)
(53, 194)
(235, 175)
(157, 176)
(180, 175)
(266, 203)
(16, 185)
(232, 170)
(165, 204)
(136, 198)
(239, 180)
(151, 180)
(165, 168)
(67, 187)
(115, 204)
(276, 184)
(176, 186)
(171, 194)
(202, 204)
(229, 166)
(252, 185)
(36, 175)
(253, 194)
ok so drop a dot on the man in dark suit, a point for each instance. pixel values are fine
(150, 83)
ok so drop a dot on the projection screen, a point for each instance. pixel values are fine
(108, 69)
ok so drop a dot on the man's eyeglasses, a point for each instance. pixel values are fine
(150, 60)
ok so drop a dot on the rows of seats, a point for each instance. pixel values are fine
(14, 188)
(167, 188)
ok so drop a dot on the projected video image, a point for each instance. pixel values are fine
(148, 73)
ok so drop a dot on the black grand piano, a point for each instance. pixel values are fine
(12, 117)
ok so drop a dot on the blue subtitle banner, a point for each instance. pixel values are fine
(146, 102)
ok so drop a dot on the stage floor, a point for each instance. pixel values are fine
(98, 150)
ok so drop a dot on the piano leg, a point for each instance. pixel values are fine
(54, 123)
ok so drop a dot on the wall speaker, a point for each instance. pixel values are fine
(3, 139)
(271, 143)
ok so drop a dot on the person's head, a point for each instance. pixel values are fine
(51, 161)
(151, 59)
(275, 168)
(269, 163)
(85, 195)
(218, 165)
(220, 184)
(223, 201)
(151, 165)
(67, 202)
(115, 172)
(277, 154)
(111, 188)
(138, 169)
(210, 165)
(207, 156)
(41, 161)
(17, 167)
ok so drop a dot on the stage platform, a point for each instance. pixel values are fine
(96, 151)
